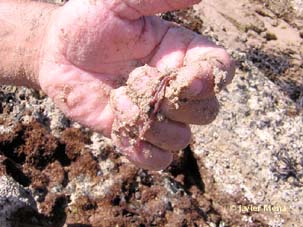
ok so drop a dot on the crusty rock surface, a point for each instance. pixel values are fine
(249, 157)
(12, 198)
(254, 148)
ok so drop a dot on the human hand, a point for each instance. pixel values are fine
(91, 48)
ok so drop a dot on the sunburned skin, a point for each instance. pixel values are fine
(115, 68)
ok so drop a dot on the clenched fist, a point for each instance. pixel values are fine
(114, 67)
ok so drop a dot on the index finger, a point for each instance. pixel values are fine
(134, 9)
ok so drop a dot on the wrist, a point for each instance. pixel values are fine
(25, 24)
(34, 40)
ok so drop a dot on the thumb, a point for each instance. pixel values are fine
(133, 9)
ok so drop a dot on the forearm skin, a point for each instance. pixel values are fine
(22, 28)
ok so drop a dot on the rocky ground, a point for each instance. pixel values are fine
(245, 169)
